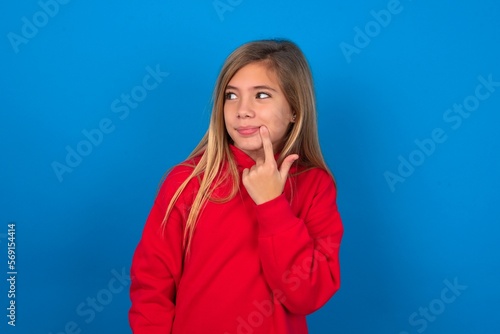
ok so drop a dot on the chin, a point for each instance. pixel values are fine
(248, 145)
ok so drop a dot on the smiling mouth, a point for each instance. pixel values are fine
(247, 131)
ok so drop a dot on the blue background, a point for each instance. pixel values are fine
(78, 231)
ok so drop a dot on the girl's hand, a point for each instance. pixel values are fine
(264, 181)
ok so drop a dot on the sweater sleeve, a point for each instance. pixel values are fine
(300, 256)
(157, 262)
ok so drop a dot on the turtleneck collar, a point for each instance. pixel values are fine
(242, 159)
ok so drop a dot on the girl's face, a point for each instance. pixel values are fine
(253, 98)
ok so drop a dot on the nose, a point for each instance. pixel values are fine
(245, 108)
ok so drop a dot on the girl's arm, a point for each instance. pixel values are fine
(300, 257)
(157, 263)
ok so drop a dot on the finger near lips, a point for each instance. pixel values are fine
(266, 143)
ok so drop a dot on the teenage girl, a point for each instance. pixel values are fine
(244, 236)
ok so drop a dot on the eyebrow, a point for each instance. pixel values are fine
(254, 87)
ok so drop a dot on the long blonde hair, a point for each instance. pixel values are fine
(289, 64)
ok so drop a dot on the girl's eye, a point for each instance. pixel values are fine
(261, 95)
(230, 96)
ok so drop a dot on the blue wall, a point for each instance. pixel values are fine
(409, 110)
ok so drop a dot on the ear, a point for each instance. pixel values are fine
(294, 116)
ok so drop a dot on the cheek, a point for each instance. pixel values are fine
(278, 128)
(281, 119)
(227, 119)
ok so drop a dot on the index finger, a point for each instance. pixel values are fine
(266, 144)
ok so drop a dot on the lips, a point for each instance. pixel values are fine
(247, 130)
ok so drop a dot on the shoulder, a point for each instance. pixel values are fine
(315, 175)
(175, 178)
(314, 181)
(180, 172)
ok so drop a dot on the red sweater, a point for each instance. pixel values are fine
(252, 268)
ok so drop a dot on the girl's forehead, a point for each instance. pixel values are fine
(257, 71)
